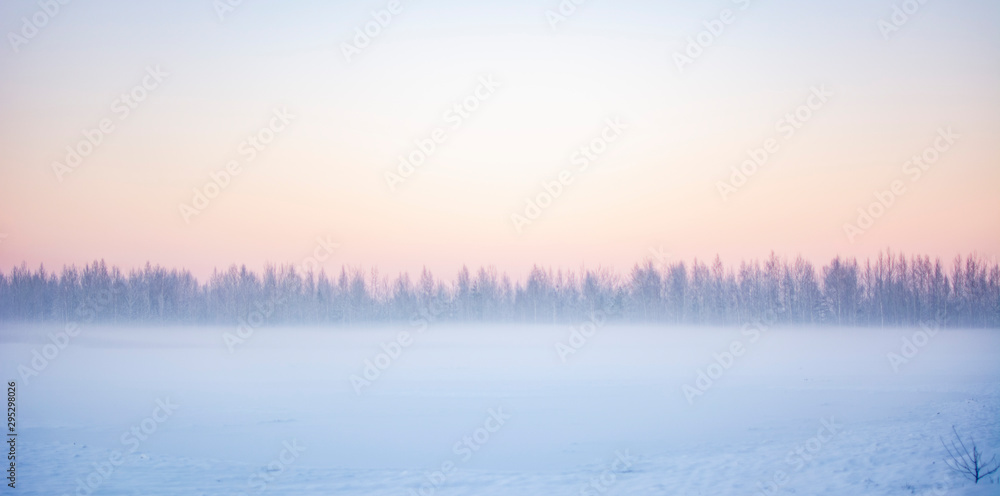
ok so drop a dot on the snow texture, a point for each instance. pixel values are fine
(799, 411)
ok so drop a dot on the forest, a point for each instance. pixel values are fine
(889, 290)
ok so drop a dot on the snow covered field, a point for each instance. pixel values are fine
(488, 409)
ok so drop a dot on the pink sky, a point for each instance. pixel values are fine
(654, 188)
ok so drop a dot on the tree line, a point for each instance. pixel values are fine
(889, 290)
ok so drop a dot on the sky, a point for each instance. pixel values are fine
(822, 105)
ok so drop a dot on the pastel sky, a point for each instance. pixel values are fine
(654, 188)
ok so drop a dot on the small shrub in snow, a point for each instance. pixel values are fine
(969, 463)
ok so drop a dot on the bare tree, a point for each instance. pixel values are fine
(890, 291)
(969, 463)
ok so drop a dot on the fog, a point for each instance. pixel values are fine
(650, 390)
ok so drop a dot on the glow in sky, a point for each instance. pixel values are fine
(504, 108)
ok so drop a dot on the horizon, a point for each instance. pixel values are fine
(893, 291)
(658, 260)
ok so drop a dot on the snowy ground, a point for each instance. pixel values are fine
(489, 410)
